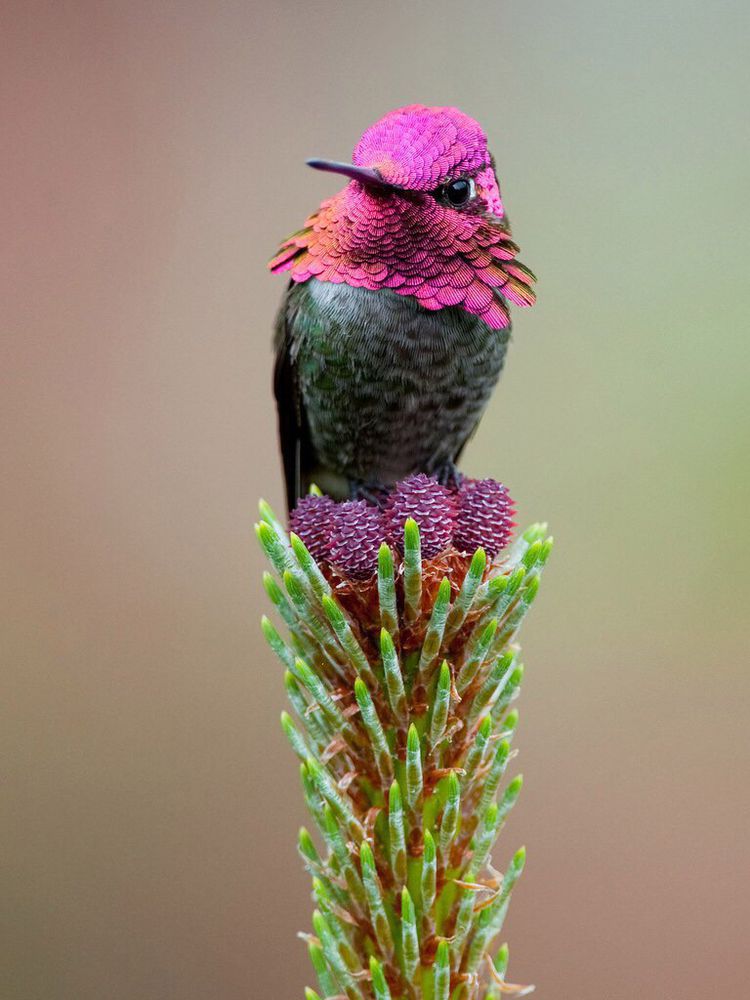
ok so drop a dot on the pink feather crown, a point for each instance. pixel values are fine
(406, 238)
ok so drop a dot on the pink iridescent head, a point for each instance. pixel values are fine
(422, 216)
(436, 150)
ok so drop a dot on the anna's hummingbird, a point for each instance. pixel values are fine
(393, 330)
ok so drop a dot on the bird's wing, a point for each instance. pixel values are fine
(294, 436)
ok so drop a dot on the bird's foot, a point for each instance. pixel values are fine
(375, 494)
(449, 476)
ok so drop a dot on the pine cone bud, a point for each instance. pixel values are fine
(431, 505)
(484, 518)
(356, 537)
(312, 520)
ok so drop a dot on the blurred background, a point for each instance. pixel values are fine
(153, 158)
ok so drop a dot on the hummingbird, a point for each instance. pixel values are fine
(394, 326)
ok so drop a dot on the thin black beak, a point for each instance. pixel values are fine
(365, 175)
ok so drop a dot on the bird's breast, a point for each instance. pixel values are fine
(389, 385)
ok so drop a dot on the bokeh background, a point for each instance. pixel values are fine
(153, 157)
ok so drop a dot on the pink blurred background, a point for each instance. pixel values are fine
(152, 158)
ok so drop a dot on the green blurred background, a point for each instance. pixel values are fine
(153, 157)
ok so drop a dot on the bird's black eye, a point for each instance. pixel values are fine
(458, 192)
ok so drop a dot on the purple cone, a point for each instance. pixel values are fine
(431, 505)
(356, 537)
(312, 520)
(485, 516)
